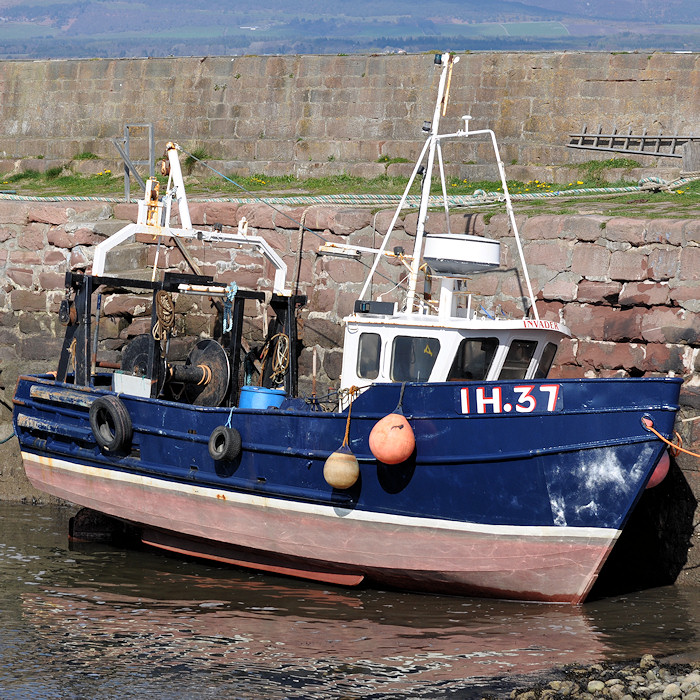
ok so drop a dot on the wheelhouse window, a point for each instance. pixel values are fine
(473, 359)
(546, 360)
(412, 358)
(518, 359)
(368, 355)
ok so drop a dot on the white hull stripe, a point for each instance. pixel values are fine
(585, 535)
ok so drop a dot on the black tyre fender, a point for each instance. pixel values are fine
(224, 444)
(110, 423)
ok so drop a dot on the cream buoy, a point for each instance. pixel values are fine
(341, 470)
(392, 440)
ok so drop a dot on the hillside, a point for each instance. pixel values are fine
(116, 28)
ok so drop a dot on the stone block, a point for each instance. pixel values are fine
(345, 303)
(628, 265)
(54, 257)
(610, 356)
(383, 219)
(126, 212)
(125, 305)
(686, 296)
(209, 213)
(346, 221)
(322, 299)
(664, 325)
(258, 215)
(583, 228)
(644, 294)
(598, 292)
(469, 223)
(668, 231)
(626, 230)
(564, 371)
(622, 325)
(51, 280)
(138, 326)
(40, 348)
(332, 364)
(537, 228)
(275, 150)
(566, 354)
(585, 321)
(25, 300)
(322, 332)
(25, 257)
(60, 238)
(664, 262)
(365, 151)
(562, 288)
(342, 270)
(690, 263)
(81, 212)
(663, 358)
(22, 277)
(691, 231)
(7, 233)
(53, 214)
(550, 310)
(591, 261)
(32, 237)
(104, 228)
(367, 171)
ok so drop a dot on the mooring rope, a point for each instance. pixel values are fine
(675, 448)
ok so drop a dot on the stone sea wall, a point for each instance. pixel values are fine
(628, 288)
(320, 115)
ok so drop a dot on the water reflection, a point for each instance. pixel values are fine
(101, 621)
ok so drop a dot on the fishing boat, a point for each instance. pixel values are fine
(450, 462)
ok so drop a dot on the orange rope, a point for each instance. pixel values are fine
(352, 391)
(675, 449)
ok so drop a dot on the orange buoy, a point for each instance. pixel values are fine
(341, 469)
(660, 471)
(392, 440)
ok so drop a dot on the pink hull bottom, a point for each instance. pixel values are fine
(554, 564)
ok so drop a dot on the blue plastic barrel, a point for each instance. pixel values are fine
(261, 397)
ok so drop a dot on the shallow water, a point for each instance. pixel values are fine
(101, 622)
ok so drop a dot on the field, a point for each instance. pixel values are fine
(115, 28)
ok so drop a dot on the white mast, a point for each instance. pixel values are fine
(447, 63)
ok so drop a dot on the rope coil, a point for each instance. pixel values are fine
(165, 313)
(280, 361)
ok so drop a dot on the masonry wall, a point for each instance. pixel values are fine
(310, 115)
(628, 288)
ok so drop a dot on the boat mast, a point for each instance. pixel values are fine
(447, 62)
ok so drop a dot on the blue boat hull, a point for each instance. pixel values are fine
(515, 489)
